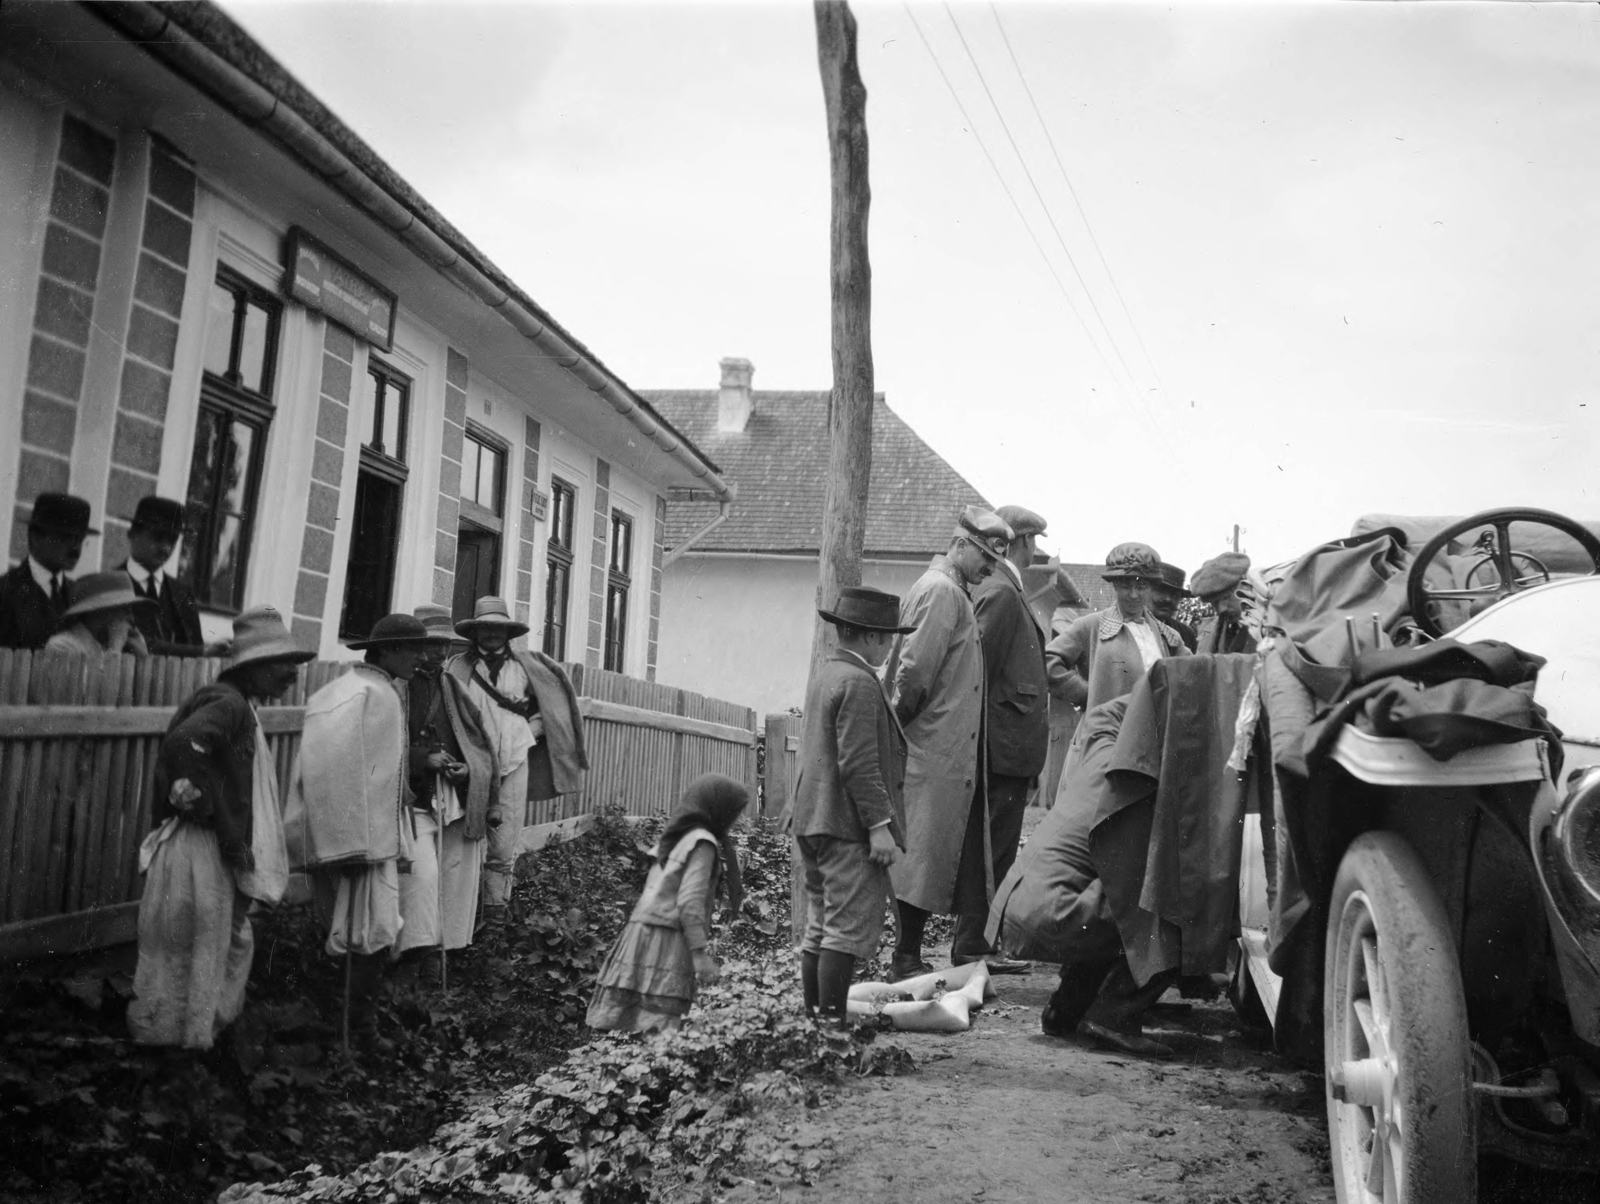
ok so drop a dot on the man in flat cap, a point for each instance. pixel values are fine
(1166, 595)
(935, 674)
(34, 594)
(1109, 650)
(172, 626)
(1217, 584)
(1016, 717)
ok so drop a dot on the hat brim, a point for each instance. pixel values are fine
(860, 626)
(466, 627)
(94, 606)
(394, 641)
(57, 529)
(266, 655)
(1125, 575)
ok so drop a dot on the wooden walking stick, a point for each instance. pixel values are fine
(349, 926)
(438, 838)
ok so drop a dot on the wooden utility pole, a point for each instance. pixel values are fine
(844, 515)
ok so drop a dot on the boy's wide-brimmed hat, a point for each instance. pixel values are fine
(393, 630)
(99, 592)
(159, 514)
(1128, 561)
(60, 514)
(1172, 577)
(491, 612)
(437, 620)
(1221, 574)
(866, 608)
(986, 529)
(1021, 520)
(260, 635)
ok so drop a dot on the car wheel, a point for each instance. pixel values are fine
(1401, 1119)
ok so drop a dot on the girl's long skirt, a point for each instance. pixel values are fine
(646, 982)
(195, 944)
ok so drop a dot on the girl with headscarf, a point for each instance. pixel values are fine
(649, 979)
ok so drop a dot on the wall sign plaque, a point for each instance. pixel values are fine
(538, 504)
(322, 281)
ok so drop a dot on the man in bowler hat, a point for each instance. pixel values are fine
(1016, 716)
(172, 626)
(35, 594)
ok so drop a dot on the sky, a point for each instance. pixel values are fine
(1150, 270)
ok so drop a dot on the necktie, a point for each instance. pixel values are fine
(56, 598)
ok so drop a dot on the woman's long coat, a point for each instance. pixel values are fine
(936, 679)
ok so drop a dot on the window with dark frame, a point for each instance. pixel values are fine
(482, 493)
(230, 440)
(558, 583)
(383, 416)
(618, 581)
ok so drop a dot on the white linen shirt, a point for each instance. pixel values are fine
(513, 738)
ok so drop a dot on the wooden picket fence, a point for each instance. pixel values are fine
(78, 744)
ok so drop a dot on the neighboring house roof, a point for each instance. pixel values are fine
(1096, 590)
(779, 463)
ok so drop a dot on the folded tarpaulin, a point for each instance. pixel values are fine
(1167, 842)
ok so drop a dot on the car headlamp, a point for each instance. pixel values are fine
(1577, 835)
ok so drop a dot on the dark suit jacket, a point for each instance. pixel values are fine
(852, 757)
(27, 617)
(1018, 686)
(173, 628)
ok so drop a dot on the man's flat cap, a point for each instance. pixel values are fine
(986, 529)
(1021, 520)
(1221, 574)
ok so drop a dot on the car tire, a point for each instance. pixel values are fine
(1401, 1115)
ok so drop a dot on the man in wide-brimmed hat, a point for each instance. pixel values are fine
(218, 846)
(936, 674)
(1166, 595)
(531, 713)
(848, 814)
(1219, 583)
(1016, 718)
(454, 779)
(1109, 650)
(171, 627)
(34, 594)
(348, 807)
(102, 617)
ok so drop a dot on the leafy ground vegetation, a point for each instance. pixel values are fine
(530, 1106)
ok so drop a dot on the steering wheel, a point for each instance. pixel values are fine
(1424, 599)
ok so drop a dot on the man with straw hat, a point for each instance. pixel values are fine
(349, 804)
(937, 677)
(218, 847)
(453, 778)
(103, 618)
(531, 713)
(34, 594)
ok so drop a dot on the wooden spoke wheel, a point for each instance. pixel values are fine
(1401, 1117)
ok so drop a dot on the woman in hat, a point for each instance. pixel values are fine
(1100, 656)
(101, 618)
(218, 844)
(531, 712)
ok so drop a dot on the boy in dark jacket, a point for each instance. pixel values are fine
(848, 817)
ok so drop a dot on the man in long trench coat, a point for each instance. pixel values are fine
(936, 677)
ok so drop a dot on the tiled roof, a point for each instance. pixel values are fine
(1097, 592)
(780, 464)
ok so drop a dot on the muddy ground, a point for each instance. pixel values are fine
(1003, 1114)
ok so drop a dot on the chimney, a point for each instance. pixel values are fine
(733, 398)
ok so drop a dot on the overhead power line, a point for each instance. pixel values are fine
(1023, 217)
(1073, 193)
(1039, 196)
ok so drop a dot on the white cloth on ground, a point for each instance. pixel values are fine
(195, 943)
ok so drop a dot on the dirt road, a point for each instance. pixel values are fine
(1003, 1114)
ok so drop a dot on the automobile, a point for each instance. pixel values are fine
(1460, 935)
